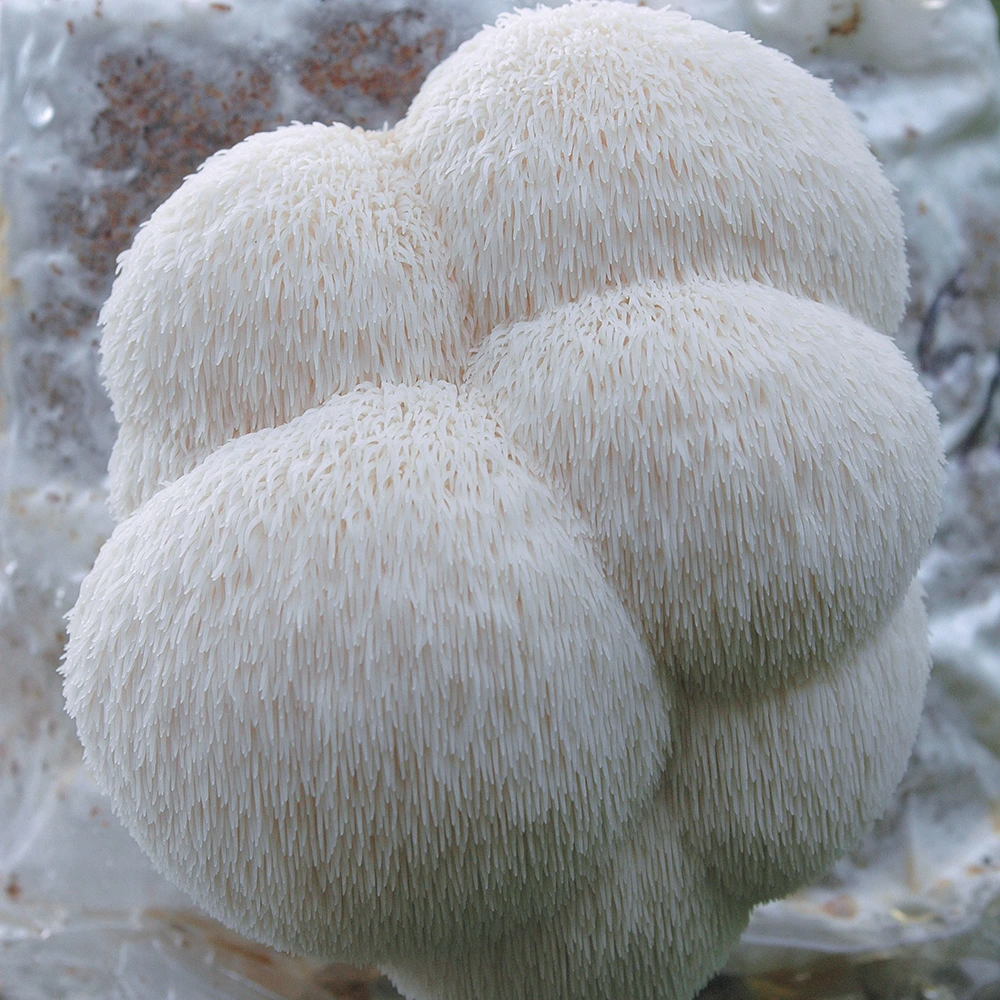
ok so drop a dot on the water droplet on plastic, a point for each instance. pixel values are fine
(11, 568)
(934, 4)
(37, 107)
(768, 8)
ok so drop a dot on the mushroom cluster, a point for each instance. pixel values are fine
(519, 516)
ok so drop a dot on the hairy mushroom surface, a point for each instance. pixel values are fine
(521, 515)
(400, 688)
(703, 430)
(619, 143)
(292, 267)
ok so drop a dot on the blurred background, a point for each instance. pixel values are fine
(105, 105)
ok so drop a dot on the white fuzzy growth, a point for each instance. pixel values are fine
(763, 472)
(369, 691)
(777, 787)
(600, 143)
(759, 795)
(532, 681)
(294, 266)
(655, 925)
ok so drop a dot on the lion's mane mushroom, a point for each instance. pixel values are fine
(616, 143)
(372, 678)
(524, 510)
(294, 266)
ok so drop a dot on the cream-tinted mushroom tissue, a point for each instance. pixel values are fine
(520, 511)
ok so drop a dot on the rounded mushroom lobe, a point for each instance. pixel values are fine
(762, 472)
(656, 923)
(360, 685)
(777, 787)
(294, 266)
(595, 144)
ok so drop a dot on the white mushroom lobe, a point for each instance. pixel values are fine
(397, 685)
(762, 471)
(292, 267)
(619, 143)
(753, 802)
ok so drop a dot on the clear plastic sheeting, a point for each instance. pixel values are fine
(105, 105)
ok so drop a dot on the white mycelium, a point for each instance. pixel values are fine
(554, 603)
